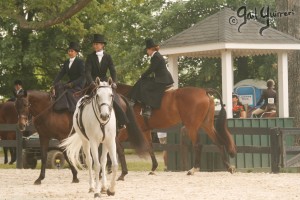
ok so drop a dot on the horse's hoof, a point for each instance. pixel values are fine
(232, 169)
(109, 193)
(37, 182)
(97, 195)
(10, 163)
(190, 173)
(91, 190)
(151, 173)
(75, 180)
(121, 178)
(103, 191)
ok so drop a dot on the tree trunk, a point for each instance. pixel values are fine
(75, 8)
(291, 25)
(242, 69)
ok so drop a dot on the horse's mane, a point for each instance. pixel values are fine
(125, 85)
(6, 103)
(37, 92)
(124, 89)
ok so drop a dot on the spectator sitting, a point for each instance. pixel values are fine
(238, 109)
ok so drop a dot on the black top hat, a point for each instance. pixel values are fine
(74, 46)
(18, 82)
(150, 43)
(98, 38)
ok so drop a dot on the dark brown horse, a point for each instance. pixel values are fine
(194, 108)
(50, 124)
(8, 115)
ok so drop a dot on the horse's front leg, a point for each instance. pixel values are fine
(153, 159)
(44, 144)
(74, 171)
(121, 154)
(13, 154)
(95, 154)
(89, 162)
(113, 155)
(151, 152)
(5, 155)
(103, 161)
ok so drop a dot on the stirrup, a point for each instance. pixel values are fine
(131, 103)
(147, 112)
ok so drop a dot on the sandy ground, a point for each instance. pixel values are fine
(18, 184)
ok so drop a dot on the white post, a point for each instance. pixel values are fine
(173, 68)
(283, 87)
(227, 81)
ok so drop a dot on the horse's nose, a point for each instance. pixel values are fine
(104, 117)
(22, 127)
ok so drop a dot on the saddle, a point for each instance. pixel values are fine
(169, 88)
(61, 101)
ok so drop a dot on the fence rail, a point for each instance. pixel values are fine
(18, 143)
(278, 149)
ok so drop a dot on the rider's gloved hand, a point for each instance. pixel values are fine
(68, 85)
(114, 85)
(52, 91)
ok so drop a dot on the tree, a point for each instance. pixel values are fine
(35, 56)
(46, 13)
(206, 72)
(291, 25)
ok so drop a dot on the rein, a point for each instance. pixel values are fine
(50, 106)
(96, 107)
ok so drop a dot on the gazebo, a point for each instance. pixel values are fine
(218, 36)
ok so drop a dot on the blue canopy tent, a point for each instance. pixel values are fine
(249, 91)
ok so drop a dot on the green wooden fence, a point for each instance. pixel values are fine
(246, 158)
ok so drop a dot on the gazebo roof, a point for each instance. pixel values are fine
(214, 34)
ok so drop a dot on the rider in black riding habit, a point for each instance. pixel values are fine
(18, 89)
(269, 97)
(149, 89)
(74, 68)
(97, 65)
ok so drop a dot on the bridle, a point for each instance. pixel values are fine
(22, 116)
(28, 105)
(97, 109)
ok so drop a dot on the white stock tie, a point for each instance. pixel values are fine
(100, 55)
(71, 62)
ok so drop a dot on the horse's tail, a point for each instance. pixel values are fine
(223, 134)
(72, 146)
(135, 135)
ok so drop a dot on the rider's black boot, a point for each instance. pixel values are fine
(147, 112)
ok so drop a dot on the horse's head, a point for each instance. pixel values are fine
(22, 106)
(104, 99)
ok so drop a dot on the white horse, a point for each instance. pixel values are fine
(95, 123)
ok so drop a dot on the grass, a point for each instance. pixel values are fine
(134, 163)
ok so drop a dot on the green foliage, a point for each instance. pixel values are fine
(35, 56)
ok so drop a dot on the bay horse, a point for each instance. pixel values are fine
(51, 124)
(194, 108)
(8, 115)
(94, 122)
